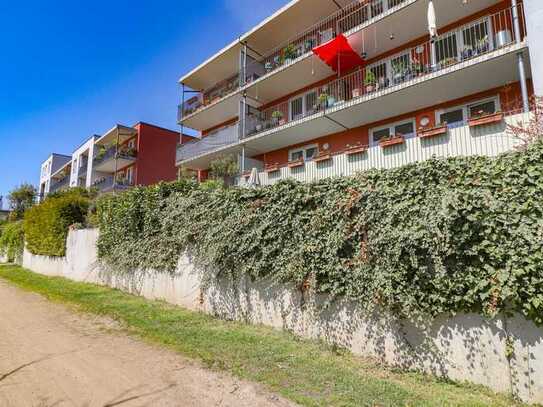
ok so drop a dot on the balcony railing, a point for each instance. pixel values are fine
(455, 47)
(353, 15)
(112, 152)
(213, 141)
(82, 171)
(106, 183)
(61, 184)
(208, 97)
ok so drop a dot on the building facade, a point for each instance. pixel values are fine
(331, 88)
(119, 159)
(48, 168)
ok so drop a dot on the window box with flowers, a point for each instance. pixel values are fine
(435, 131)
(355, 149)
(323, 156)
(484, 119)
(270, 168)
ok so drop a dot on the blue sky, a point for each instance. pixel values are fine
(71, 69)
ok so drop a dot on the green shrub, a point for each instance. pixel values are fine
(440, 236)
(46, 225)
(12, 240)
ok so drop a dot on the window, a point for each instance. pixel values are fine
(132, 143)
(405, 129)
(307, 153)
(452, 117)
(476, 38)
(303, 105)
(446, 49)
(482, 109)
(130, 175)
(458, 115)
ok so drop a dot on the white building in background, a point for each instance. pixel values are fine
(48, 168)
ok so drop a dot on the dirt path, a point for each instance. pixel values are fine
(50, 356)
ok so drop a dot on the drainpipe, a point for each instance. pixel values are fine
(520, 56)
(116, 162)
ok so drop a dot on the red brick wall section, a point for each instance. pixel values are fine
(156, 154)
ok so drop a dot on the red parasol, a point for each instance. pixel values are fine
(338, 54)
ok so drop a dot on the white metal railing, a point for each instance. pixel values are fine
(455, 47)
(213, 141)
(466, 140)
(356, 13)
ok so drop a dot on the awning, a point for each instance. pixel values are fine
(339, 55)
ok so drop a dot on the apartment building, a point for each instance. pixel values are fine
(123, 157)
(47, 173)
(324, 88)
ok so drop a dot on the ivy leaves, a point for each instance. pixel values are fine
(462, 234)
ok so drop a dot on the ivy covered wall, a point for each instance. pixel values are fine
(461, 234)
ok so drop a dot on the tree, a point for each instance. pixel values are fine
(21, 199)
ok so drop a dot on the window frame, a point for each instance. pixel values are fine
(391, 127)
(302, 96)
(466, 110)
(303, 149)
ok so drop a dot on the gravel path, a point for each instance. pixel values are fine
(51, 356)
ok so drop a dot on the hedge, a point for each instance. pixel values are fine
(46, 225)
(440, 236)
(12, 240)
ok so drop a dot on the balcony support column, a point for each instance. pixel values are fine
(182, 113)
(520, 58)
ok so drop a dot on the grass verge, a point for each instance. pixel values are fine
(307, 372)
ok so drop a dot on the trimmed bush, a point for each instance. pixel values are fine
(46, 225)
(12, 240)
(440, 236)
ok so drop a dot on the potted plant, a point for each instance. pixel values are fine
(399, 70)
(289, 52)
(483, 45)
(467, 52)
(369, 81)
(483, 118)
(448, 62)
(323, 98)
(417, 67)
(277, 117)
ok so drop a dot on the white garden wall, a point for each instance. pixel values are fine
(465, 347)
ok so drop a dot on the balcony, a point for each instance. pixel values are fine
(60, 184)
(219, 101)
(465, 140)
(211, 143)
(107, 184)
(82, 171)
(111, 159)
(484, 41)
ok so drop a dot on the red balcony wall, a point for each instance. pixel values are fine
(156, 154)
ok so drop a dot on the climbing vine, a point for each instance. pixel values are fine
(445, 235)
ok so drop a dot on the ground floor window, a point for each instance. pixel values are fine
(306, 153)
(405, 129)
(458, 116)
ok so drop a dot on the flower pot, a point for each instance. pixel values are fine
(370, 88)
(392, 141)
(434, 131)
(486, 119)
(356, 93)
(282, 122)
(354, 150)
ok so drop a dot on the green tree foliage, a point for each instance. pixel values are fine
(21, 199)
(46, 225)
(445, 235)
(12, 240)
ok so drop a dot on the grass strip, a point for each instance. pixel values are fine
(307, 372)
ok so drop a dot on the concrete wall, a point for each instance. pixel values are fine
(534, 24)
(464, 347)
